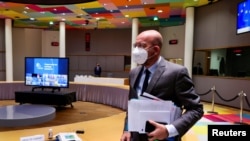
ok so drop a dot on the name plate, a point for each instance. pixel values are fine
(33, 138)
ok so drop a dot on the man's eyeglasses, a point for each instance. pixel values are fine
(141, 45)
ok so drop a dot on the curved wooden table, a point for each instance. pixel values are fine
(108, 94)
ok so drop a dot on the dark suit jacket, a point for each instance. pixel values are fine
(171, 82)
(97, 71)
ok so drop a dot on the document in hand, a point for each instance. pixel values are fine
(141, 110)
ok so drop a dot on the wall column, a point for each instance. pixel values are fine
(189, 33)
(62, 40)
(8, 50)
(135, 25)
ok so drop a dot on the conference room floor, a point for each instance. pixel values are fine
(100, 122)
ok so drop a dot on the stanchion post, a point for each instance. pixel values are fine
(213, 89)
(241, 94)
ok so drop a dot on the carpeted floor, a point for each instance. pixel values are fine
(232, 118)
(224, 116)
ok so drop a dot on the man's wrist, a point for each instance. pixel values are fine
(171, 130)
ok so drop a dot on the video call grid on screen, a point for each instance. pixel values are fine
(46, 71)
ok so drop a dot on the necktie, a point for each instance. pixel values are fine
(145, 83)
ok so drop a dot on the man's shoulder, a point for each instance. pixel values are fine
(171, 64)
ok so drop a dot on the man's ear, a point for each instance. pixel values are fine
(157, 49)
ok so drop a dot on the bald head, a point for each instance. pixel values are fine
(153, 36)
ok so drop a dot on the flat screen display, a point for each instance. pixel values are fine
(47, 72)
(243, 17)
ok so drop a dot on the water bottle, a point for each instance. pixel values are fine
(50, 135)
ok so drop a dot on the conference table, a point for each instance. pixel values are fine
(115, 95)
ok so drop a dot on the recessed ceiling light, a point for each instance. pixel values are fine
(155, 18)
(160, 11)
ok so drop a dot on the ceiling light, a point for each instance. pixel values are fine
(155, 18)
(160, 11)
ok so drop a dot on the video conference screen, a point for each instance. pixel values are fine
(243, 17)
(47, 71)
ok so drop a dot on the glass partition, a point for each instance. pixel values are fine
(232, 62)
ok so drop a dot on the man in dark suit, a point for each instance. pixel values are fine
(198, 69)
(167, 81)
(98, 70)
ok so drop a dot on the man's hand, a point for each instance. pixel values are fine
(159, 133)
(125, 136)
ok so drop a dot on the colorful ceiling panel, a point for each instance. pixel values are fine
(99, 14)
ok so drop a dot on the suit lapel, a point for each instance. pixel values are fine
(135, 76)
(156, 76)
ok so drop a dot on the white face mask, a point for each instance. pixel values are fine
(139, 55)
